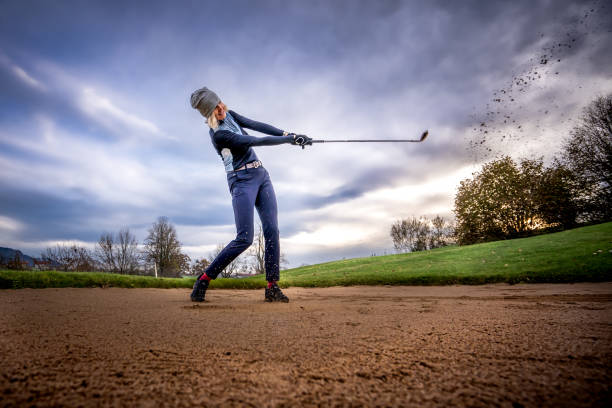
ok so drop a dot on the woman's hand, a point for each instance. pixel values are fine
(300, 140)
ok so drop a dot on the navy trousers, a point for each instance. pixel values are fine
(251, 188)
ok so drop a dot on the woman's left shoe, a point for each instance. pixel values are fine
(274, 294)
(199, 290)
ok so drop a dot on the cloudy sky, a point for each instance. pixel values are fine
(96, 131)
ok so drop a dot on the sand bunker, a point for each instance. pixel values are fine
(496, 345)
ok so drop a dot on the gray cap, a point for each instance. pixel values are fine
(205, 100)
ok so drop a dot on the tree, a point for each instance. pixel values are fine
(420, 234)
(403, 234)
(509, 200)
(70, 258)
(199, 266)
(163, 247)
(588, 154)
(118, 255)
(57, 257)
(127, 254)
(440, 233)
(558, 196)
(183, 264)
(16, 263)
(105, 252)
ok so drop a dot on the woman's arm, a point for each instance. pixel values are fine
(231, 139)
(257, 126)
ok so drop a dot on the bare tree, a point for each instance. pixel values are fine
(420, 234)
(57, 256)
(70, 258)
(588, 154)
(398, 235)
(441, 232)
(127, 251)
(404, 234)
(118, 255)
(105, 252)
(163, 247)
(82, 259)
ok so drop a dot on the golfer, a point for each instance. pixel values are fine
(250, 187)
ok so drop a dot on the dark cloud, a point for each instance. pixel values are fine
(74, 214)
(355, 187)
(49, 216)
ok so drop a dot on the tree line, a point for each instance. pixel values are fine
(160, 254)
(510, 199)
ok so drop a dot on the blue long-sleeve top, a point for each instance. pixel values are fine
(234, 145)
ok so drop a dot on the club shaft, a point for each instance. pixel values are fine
(368, 141)
(423, 137)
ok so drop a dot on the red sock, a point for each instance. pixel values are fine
(204, 277)
(271, 283)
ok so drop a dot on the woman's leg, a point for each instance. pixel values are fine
(268, 214)
(243, 201)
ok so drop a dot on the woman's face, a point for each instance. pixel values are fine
(219, 111)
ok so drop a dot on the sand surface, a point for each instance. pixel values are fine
(495, 345)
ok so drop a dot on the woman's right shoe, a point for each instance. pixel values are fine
(199, 290)
(274, 294)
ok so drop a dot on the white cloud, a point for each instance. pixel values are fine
(21, 74)
(68, 162)
(104, 111)
(9, 225)
(25, 77)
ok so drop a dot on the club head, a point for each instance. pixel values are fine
(424, 135)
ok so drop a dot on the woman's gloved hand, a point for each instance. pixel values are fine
(300, 140)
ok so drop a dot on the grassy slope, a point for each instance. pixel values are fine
(582, 254)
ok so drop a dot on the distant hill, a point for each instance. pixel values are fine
(8, 254)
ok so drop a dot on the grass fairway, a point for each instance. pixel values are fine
(578, 255)
(581, 254)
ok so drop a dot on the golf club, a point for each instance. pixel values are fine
(422, 138)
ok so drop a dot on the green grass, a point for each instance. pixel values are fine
(53, 279)
(578, 255)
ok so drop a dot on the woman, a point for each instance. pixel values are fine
(249, 185)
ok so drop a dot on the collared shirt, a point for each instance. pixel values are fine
(229, 123)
